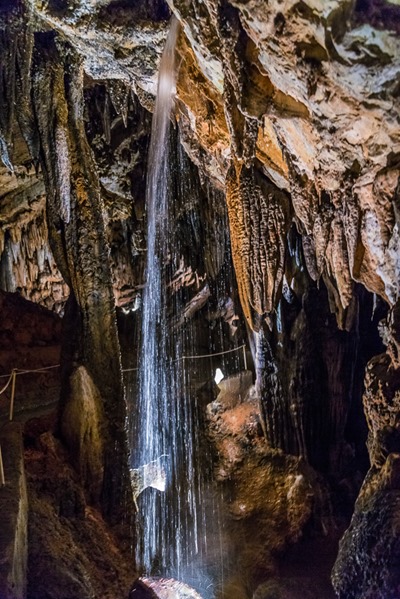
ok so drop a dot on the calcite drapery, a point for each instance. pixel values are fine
(259, 221)
(259, 214)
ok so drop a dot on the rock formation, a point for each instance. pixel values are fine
(285, 176)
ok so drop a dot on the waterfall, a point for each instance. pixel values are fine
(153, 451)
(161, 423)
(174, 534)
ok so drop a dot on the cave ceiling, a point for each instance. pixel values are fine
(299, 96)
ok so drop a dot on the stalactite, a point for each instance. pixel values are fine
(259, 221)
(4, 155)
(305, 372)
(217, 235)
(22, 206)
(258, 213)
(106, 119)
(50, 107)
(8, 45)
(119, 92)
(63, 172)
(32, 267)
(339, 219)
(24, 108)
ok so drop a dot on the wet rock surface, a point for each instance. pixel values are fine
(369, 550)
(270, 499)
(168, 588)
(72, 551)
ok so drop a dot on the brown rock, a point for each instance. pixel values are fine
(13, 515)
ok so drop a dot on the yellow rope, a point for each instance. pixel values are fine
(2, 477)
(14, 372)
(3, 376)
(8, 382)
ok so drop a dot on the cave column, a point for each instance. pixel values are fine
(93, 411)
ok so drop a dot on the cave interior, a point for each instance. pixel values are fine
(276, 325)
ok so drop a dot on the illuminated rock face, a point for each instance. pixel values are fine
(289, 112)
(307, 97)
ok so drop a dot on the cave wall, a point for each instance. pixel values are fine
(275, 112)
(302, 102)
(47, 76)
(288, 100)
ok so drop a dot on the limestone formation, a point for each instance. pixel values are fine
(372, 537)
(284, 180)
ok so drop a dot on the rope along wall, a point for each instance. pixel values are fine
(12, 379)
(12, 376)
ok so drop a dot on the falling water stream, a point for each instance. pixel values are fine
(171, 532)
(153, 454)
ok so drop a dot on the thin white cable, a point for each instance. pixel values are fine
(44, 368)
